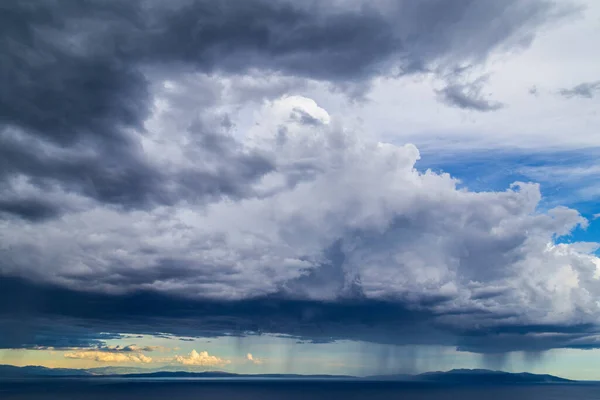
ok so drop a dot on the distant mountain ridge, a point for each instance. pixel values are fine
(10, 371)
(466, 376)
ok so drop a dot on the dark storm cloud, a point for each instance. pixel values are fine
(78, 80)
(64, 105)
(34, 316)
(16, 332)
(339, 43)
(532, 338)
(72, 76)
(153, 313)
(68, 95)
(278, 35)
(586, 90)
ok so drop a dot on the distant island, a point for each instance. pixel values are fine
(459, 376)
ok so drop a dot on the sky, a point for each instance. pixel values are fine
(343, 187)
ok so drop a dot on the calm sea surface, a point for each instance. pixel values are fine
(145, 389)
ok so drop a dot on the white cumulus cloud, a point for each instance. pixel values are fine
(202, 359)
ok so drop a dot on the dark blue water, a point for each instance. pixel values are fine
(109, 389)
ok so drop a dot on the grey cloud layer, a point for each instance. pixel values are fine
(68, 320)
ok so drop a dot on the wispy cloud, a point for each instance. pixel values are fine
(109, 357)
(253, 360)
(586, 90)
(565, 173)
(570, 183)
(133, 348)
(469, 96)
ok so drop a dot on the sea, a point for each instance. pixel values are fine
(279, 389)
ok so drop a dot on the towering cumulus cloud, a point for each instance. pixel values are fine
(158, 174)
